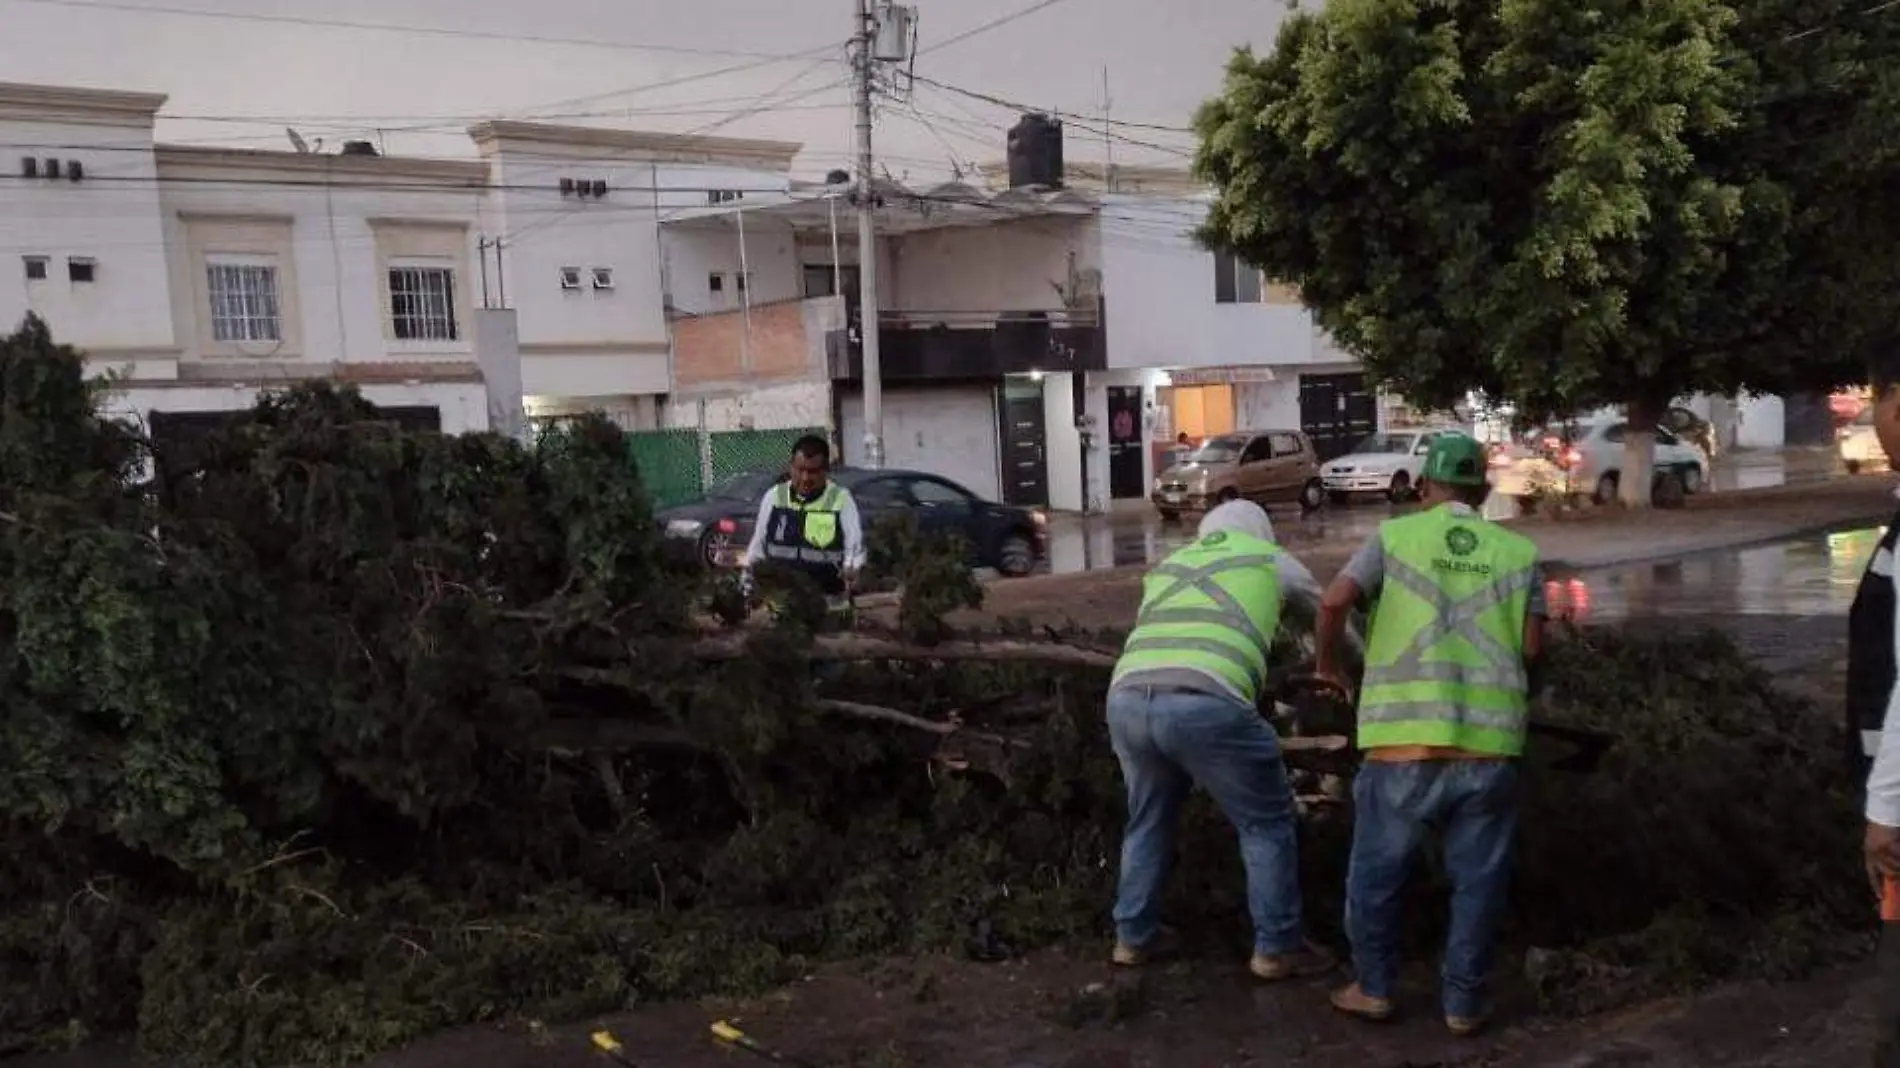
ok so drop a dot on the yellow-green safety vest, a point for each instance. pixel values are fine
(1211, 607)
(1445, 652)
(816, 536)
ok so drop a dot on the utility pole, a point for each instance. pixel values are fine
(866, 61)
(1108, 137)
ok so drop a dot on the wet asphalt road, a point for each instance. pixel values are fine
(1134, 534)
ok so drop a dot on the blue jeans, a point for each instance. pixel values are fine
(1473, 804)
(1169, 740)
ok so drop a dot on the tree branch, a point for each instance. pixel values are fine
(861, 647)
(892, 715)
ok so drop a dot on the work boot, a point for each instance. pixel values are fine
(1355, 1002)
(1163, 945)
(1303, 963)
(1464, 1026)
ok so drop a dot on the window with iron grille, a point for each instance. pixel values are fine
(244, 304)
(422, 303)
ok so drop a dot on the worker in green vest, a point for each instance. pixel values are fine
(1182, 709)
(1457, 618)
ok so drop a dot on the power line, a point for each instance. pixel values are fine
(986, 27)
(400, 28)
(1018, 106)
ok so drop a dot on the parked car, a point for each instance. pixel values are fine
(1385, 464)
(1859, 447)
(717, 528)
(1588, 458)
(1264, 466)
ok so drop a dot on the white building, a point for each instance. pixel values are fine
(204, 274)
(450, 290)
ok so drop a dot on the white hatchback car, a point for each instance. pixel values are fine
(1588, 459)
(1859, 446)
(1385, 464)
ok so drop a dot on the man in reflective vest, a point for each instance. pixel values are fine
(1182, 710)
(1458, 616)
(810, 523)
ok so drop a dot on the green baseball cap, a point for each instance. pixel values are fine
(1455, 460)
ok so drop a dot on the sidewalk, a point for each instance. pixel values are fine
(1606, 538)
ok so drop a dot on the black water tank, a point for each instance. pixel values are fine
(359, 148)
(1035, 152)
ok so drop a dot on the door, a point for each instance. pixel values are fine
(1125, 440)
(1256, 470)
(1025, 445)
(942, 508)
(1336, 411)
(1291, 465)
(948, 431)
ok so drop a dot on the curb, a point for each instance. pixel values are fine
(1809, 530)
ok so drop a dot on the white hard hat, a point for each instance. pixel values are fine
(1238, 517)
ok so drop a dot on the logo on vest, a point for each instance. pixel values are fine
(1217, 538)
(1460, 542)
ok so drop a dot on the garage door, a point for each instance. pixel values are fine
(948, 432)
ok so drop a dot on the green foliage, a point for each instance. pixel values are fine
(341, 734)
(1573, 204)
(932, 570)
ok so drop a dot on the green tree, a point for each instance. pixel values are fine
(1571, 204)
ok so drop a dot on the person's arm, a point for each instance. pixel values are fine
(755, 549)
(1362, 574)
(1882, 841)
(853, 532)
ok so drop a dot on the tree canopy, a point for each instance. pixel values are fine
(1571, 204)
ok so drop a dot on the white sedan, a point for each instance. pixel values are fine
(1386, 464)
(1589, 459)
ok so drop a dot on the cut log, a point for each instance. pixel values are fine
(864, 647)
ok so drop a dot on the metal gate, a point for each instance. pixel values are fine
(1337, 412)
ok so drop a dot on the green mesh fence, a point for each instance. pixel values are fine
(734, 451)
(675, 470)
(669, 464)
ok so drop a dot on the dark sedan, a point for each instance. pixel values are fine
(1010, 539)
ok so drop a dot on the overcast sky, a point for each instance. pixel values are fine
(417, 89)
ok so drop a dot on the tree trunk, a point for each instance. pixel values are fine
(1638, 465)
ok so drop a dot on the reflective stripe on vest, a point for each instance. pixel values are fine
(1211, 607)
(1472, 691)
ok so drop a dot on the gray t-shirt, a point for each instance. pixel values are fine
(1366, 569)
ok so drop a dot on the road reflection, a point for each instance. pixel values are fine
(1803, 577)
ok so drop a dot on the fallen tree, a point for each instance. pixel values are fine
(331, 734)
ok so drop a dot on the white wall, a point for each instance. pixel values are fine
(695, 252)
(112, 216)
(1268, 405)
(793, 406)
(1063, 444)
(1761, 422)
(339, 279)
(1016, 265)
(1159, 286)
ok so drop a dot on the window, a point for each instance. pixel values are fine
(570, 278)
(1235, 282)
(878, 494)
(742, 277)
(35, 268)
(422, 303)
(603, 278)
(715, 283)
(80, 269)
(1257, 450)
(932, 493)
(1286, 444)
(244, 303)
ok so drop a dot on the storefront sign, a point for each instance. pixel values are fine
(1220, 376)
